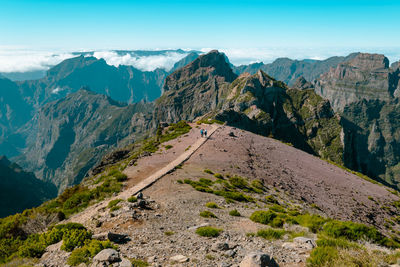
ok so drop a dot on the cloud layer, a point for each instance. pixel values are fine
(22, 60)
(146, 63)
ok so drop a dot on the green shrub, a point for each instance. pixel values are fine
(277, 222)
(208, 231)
(132, 199)
(264, 217)
(239, 182)
(234, 212)
(218, 175)
(121, 177)
(257, 184)
(208, 171)
(313, 222)
(322, 255)
(74, 238)
(114, 203)
(168, 147)
(271, 199)
(212, 205)
(277, 208)
(139, 263)
(207, 214)
(271, 233)
(89, 250)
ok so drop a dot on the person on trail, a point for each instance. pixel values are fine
(205, 133)
(201, 132)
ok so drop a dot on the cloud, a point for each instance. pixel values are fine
(146, 63)
(20, 60)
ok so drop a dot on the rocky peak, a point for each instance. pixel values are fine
(369, 62)
(301, 83)
(366, 76)
(68, 66)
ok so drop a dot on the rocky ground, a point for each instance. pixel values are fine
(160, 228)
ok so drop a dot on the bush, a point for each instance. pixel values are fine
(313, 222)
(208, 231)
(89, 250)
(264, 217)
(168, 147)
(271, 199)
(121, 177)
(208, 171)
(212, 205)
(207, 214)
(271, 233)
(322, 255)
(168, 233)
(139, 263)
(239, 182)
(218, 175)
(132, 199)
(234, 212)
(114, 203)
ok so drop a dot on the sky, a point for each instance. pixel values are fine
(247, 31)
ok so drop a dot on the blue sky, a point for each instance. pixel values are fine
(302, 27)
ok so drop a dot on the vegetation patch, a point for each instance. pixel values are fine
(207, 214)
(132, 199)
(113, 204)
(234, 212)
(89, 250)
(208, 231)
(271, 233)
(212, 205)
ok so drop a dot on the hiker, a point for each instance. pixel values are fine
(201, 132)
(205, 133)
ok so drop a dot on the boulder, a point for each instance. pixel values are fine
(258, 259)
(217, 246)
(125, 263)
(107, 256)
(308, 242)
(179, 259)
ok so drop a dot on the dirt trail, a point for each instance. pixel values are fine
(90, 212)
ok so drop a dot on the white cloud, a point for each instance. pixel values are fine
(19, 60)
(146, 63)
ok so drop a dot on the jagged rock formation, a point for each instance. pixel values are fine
(14, 182)
(367, 76)
(257, 103)
(67, 137)
(288, 70)
(372, 139)
(263, 105)
(195, 89)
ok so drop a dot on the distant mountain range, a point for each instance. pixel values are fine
(343, 109)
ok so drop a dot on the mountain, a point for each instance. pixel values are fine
(288, 70)
(184, 61)
(14, 112)
(258, 103)
(366, 76)
(195, 89)
(68, 136)
(372, 139)
(124, 83)
(20, 190)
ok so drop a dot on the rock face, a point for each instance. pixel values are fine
(367, 76)
(14, 112)
(21, 190)
(69, 136)
(195, 89)
(261, 104)
(372, 139)
(288, 70)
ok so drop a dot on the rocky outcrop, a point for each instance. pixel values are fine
(258, 259)
(20, 190)
(288, 70)
(302, 84)
(69, 136)
(367, 76)
(372, 139)
(263, 105)
(195, 89)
